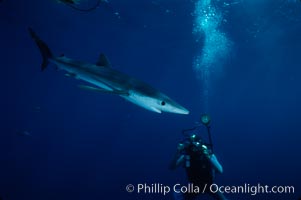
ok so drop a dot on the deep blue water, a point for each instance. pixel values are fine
(87, 145)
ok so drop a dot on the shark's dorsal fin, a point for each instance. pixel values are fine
(103, 61)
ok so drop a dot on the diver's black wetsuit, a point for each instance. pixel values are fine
(201, 173)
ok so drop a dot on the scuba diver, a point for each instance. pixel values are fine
(200, 163)
(74, 5)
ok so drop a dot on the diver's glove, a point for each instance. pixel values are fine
(207, 152)
(180, 147)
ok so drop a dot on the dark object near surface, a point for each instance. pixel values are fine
(72, 5)
(68, 1)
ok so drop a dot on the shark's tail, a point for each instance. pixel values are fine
(45, 51)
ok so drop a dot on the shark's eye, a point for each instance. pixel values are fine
(163, 103)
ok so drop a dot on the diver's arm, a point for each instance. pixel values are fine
(217, 166)
(176, 161)
(212, 158)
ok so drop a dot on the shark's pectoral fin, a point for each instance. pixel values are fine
(91, 88)
(103, 61)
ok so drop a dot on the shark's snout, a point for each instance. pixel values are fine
(184, 111)
(181, 110)
(173, 107)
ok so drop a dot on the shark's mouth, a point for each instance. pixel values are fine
(156, 110)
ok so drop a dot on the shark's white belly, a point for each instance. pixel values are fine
(88, 77)
(142, 100)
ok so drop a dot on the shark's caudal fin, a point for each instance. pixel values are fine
(45, 51)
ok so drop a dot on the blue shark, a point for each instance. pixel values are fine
(103, 78)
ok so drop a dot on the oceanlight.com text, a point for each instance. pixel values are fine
(158, 188)
(252, 189)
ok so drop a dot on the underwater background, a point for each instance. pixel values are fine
(238, 61)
